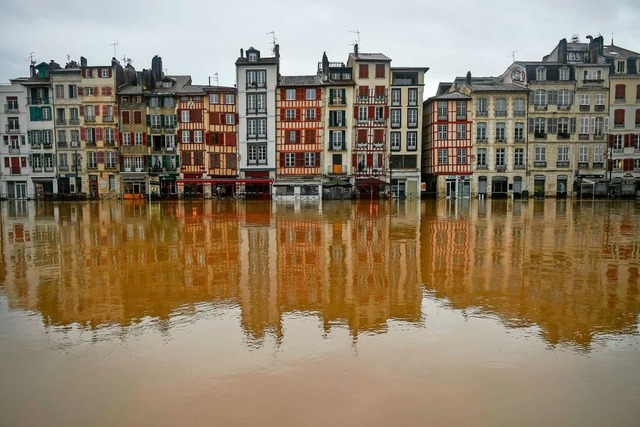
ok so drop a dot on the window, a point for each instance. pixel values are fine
(500, 152)
(252, 128)
(262, 154)
(169, 121)
(293, 136)
(229, 99)
(230, 119)
(584, 125)
(617, 142)
(92, 160)
(169, 142)
(501, 107)
(59, 91)
(412, 141)
(379, 114)
(540, 98)
(13, 124)
(89, 113)
(137, 117)
(110, 159)
(62, 162)
(197, 136)
(442, 156)
(73, 91)
(583, 154)
(186, 136)
(214, 98)
(90, 135)
(519, 106)
(481, 131)
(461, 109)
(184, 116)
(262, 102)
(310, 113)
(413, 97)
(540, 153)
(290, 95)
(138, 137)
(563, 153)
(462, 156)
(380, 71)
(396, 118)
(564, 98)
(541, 74)
(442, 110)
(563, 126)
(620, 67)
(252, 103)
(104, 73)
(126, 138)
(363, 71)
(519, 131)
(620, 92)
(310, 94)
(600, 99)
(290, 114)
(412, 117)
(62, 137)
(109, 135)
(309, 159)
(461, 131)
(618, 118)
(289, 160)
(442, 132)
(87, 91)
(564, 73)
(518, 158)
(336, 118)
(396, 143)
(155, 121)
(336, 140)
(396, 97)
(500, 131)
(481, 161)
(539, 126)
(481, 107)
(139, 163)
(598, 154)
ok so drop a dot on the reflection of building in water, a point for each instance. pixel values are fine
(95, 264)
(551, 263)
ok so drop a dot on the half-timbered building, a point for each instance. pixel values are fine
(447, 143)
(191, 134)
(298, 137)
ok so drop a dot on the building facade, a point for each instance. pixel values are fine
(15, 172)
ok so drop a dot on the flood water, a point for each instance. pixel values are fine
(340, 313)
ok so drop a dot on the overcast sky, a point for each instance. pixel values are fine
(204, 37)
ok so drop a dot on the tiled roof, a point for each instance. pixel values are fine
(370, 57)
(260, 61)
(425, 69)
(451, 95)
(498, 87)
(620, 52)
(192, 89)
(130, 90)
(300, 81)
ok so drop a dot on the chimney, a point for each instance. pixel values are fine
(562, 51)
(241, 53)
(325, 64)
(469, 78)
(355, 50)
(156, 67)
(83, 61)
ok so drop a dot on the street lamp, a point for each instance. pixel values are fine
(77, 160)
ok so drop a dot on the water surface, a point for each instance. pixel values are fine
(390, 313)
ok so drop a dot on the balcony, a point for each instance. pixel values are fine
(519, 113)
(75, 122)
(585, 108)
(501, 113)
(519, 139)
(564, 135)
(500, 139)
(63, 168)
(564, 107)
(518, 167)
(540, 107)
(338, 100)
(89, 119)
(562, 164)
(599, 108)
(478, 114)
(540, 135)
(482, 167)
(13, 128)
(540, 164)
(61, 122)
(15, 150)
(337, 146)
(583, 137)
(501, 168)
(11, 108)
(583, 165)
(481, 140)
(38, 101)
(593, 82)
(107, 119)
(598, 165)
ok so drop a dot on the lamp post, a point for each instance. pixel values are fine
(77, 160)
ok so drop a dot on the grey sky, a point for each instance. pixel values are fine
(203, 37)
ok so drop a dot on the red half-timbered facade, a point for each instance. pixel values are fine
(191, 132)
(221, 137)
(447, 160)
(298, 136)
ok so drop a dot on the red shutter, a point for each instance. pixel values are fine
(83, 134)
(6, 162)
(355, 112)
(100, 156)
(627, 140)
(96, 91)
(379, 90)
(98, 134)
(380, 159)
(618, 116)
(223, 119)
(96, 110)
(105, 110)
(386, 112)
(378, 135)
(354, 160)
(144, 138)
(637, 116)
(282, 160)
(126, 117)
(363, 91)
(23, 161)
(115, 110)
(317, 159)
(620, 91)
(372, 112)
(300, 94)
(116, 135)
(627, 165)
(81, 111)
(299, 160)
(230, 139)
(369, 159)
(637, 92)
(362, 135)
(610, 140)
(110, 72)
(80, 91)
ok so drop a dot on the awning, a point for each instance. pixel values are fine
(224, 181)
(339, 182)
(370, 182)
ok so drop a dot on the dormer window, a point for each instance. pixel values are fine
(564, 73)
(541, 74)
(620, 67)
(253, 57)
(166, 83)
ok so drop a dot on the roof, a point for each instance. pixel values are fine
(425, 69)
(191, 89)
(498, 87)
(130, 90)
(312, 80)
(450, 95)
(181, 81)
(369, 56)
(260, 61)
(613, 51)
(220, 89)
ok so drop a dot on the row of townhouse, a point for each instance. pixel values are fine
(566, 126)
(110, 131)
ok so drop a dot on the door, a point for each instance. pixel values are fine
(93, 186)
(451, 190)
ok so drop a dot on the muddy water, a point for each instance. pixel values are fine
(403, 313)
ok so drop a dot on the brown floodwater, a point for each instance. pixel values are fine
(341, 313)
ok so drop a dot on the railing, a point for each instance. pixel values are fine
(501, 113)
(539, 164)
(501, 168)
(12, 128)
(12, 109)
(38, 101)
(74, 121)
(89, 119)
(518, 166)
(562, 164)
(61, 122)
(519, 113)
(599, 108)
(107, 118)
(585, 107)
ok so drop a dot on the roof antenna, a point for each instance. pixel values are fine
(215, 79)
(512, 54)
(274, 41)
(357, 33)
(114, 49)
(32, 58)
